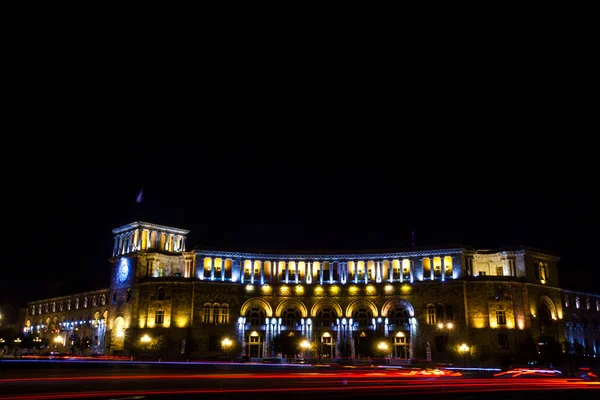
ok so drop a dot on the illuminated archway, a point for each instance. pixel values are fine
(361, 303)
(547, 301)
(397, 303)
(291, 303)
(256, 302)
(326, 303)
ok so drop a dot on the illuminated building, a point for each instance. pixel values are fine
(406, 303)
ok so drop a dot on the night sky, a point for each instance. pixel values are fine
(288, 191)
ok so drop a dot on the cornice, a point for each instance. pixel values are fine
(149, 225)
(331, 257)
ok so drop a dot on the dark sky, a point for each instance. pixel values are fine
(287, 192)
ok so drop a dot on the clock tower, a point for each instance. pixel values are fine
(141, 251)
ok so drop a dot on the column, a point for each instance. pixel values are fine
(213, 261)
(241, 270)
(378, 273)
(287, 272)
(308, 274)
(401, 261)
(262, 272)
(296, 267)
(411, 266)
(116, 246)
(443, 266)
(330, 272)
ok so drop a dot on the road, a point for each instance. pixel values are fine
(125, 380)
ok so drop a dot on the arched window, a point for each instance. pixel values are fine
(326, 317)
(206, 313)
(577, 302)
(362, 317)
(439, 312)
(431, 314)
(398, 316)
(160, 293)
(215, 313)
(224, 313)
(449, 313)
(291, 317)
(255, 315)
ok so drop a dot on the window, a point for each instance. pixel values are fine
(482, 273)
(577, 302)
(103, 300)
(85, 302)
(431, 314)
(46, 308)
(206, 314)
(326, 317)
(439, 312)
(500, 270)
(441, 342)
(501, 317)
(159, 317)
(69, 305)
(362, 317)
(94, 301)
(588, 303)
(40, 309)
(77, 303)
(567, 301)
(597, 305)
(255, 315)
(54, 306)
(503, 341)
(215, 313)
(290, 317)
(33, 310)
(398, 316)
(449, 313)
(160, 293)
(225, 314)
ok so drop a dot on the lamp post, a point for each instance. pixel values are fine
(305, 346)
(464, 349)
(226, 344)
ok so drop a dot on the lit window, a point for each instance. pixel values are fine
(160, 293)
(225, 314)
(597, 305)
(206, 314)
(69, 305)
(588, 303)
(85, 302)
(54, 306)
(159, 317)
(431, 314)
(501, 317)
(33, 310)
(577, 302)
(77, 303)
(94, 301)
(103, 300)
(215, 313)
(567, 301)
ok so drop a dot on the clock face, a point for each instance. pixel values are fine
(123, 271)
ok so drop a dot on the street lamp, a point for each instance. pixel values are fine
(305, 345)
(383, 348)
(464, 349)
(226, 344)
(57, 340)
(145, 339)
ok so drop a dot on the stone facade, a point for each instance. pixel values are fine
(166, 301)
